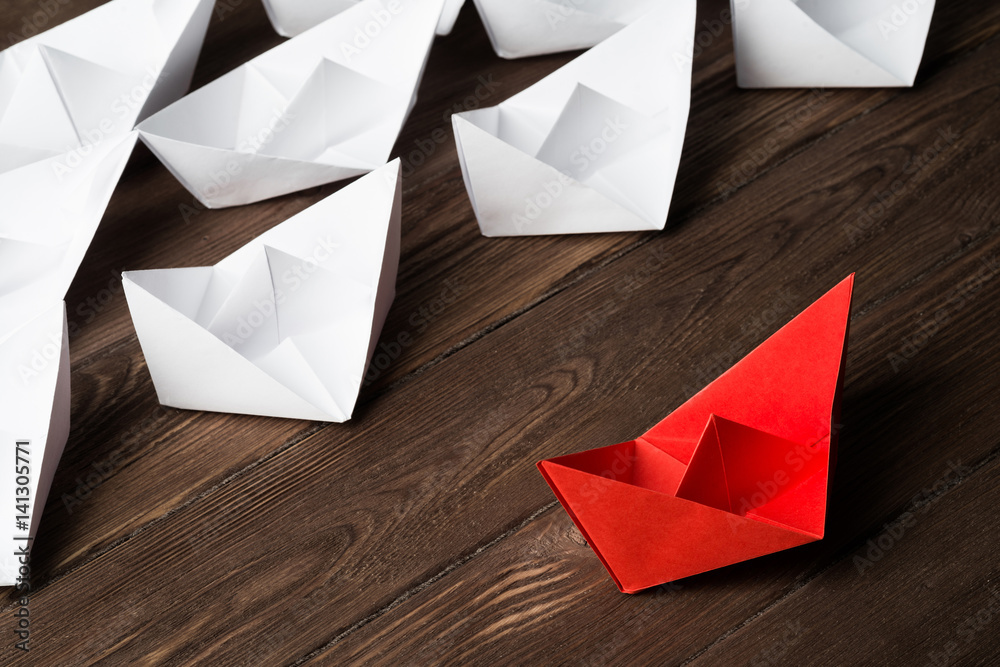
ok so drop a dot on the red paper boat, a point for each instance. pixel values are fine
(739, 471)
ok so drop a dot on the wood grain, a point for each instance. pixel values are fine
(419, 531)
(497, 280)
(936, 600)
(565, 604)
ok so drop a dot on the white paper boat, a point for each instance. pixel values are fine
(285, 326)
(324, 106)
(823, 44)
(34, 423)
(595, 146)
(293, 17)
(98, 74)
(449, 15)
(69, 99)
(49, 222)
(521, 28)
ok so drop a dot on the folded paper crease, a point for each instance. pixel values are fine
(819, 44)
(522, 28)
(593, 147)
(285, 326)
(35, 411)
(69, 100)
(324, 106)
(293, 17)
(728, 476)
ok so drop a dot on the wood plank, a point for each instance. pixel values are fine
(931, 596)
(443, 464)
(542, 594)
(506, 272)
(104, 347)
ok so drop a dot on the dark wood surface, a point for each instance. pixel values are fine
(420, 531)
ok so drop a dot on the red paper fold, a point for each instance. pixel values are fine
(739, 471)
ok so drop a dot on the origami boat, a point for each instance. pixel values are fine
(69, 99)
(34, 423)
(50, 218)
(522, 28)
(285, 326)
(322, 107)
(98, 74)
(593, 147)
(821, 44)
(293, 17)
(739, 471)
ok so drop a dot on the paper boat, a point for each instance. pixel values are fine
(821, 44)
(449, 15)
(34, 423)
(96, 75)
(69, 99)
(50, 219)
(521, 28)
(593, 147)
(286, 325)
(324, 106)
(293, 17)
(739, 471)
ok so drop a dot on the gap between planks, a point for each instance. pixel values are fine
(425, 584)
(844, 553)
(865, 309)
(945, 63)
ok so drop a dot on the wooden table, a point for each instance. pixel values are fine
(420, 531)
